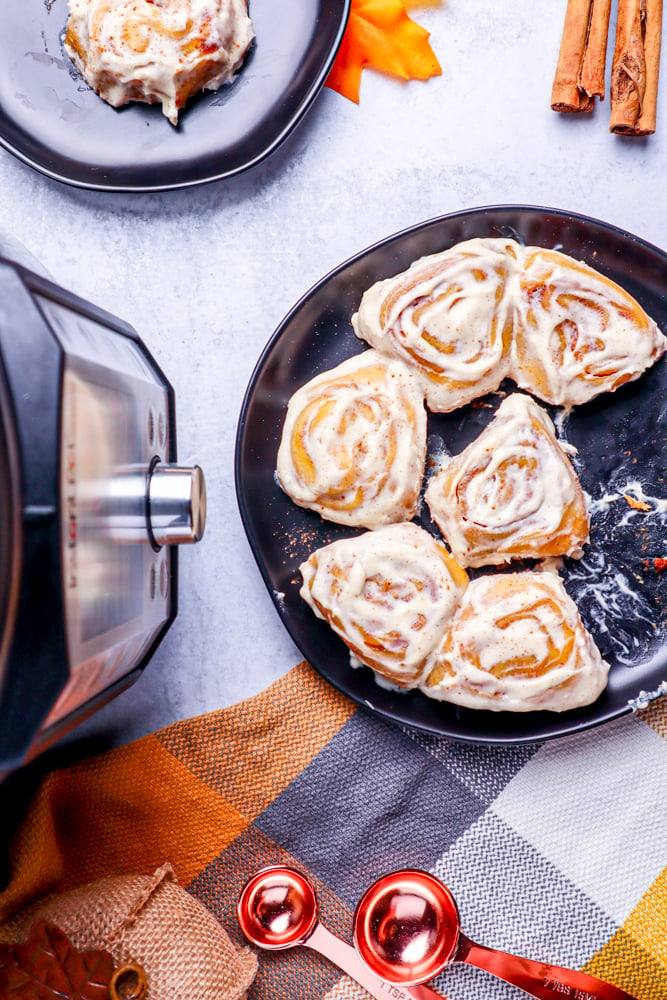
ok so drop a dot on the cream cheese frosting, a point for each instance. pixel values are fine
(484, 309)
(353, 445)
(576, 332)
(388, 594)
(449, 316)
(512, 493)
(157, 51)
(517, 643)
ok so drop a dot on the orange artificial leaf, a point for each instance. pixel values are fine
(380, 34)
(48, 967)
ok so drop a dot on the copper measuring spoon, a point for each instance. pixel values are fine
(277, 909)
(407, 929)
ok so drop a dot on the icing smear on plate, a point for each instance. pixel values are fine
(634, 495)
(609, 583)
(644, 698)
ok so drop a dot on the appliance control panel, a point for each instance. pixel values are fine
(115, 430)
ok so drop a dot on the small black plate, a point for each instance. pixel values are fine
(620, 439)
(53, 121)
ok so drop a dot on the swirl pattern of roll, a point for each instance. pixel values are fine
(388, 594)
(517, 643)
(512, 493)
(576, 332)
(157, 52)
(353, 445)
(449, 316)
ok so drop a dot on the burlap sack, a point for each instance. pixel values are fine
(150, 920)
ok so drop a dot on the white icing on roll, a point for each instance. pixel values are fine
(517, 643)
(489, 308)
(388, 594)
(449, 316)
(512, 493)
(157, 50)
(353, 445)
(577, 333)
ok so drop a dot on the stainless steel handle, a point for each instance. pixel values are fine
(176, 504)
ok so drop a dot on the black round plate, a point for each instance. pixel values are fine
(53, 121)
(620, 439)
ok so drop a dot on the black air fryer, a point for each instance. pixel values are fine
(92, 506)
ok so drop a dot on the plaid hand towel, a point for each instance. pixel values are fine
(554, 851)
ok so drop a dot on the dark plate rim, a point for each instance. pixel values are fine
(11, 527)
(555, 732)
(304, 107)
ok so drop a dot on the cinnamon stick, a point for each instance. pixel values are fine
(636, 65)
(581, 60)
(591, 74)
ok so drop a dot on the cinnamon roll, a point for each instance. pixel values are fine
(577, 333)
(157, 51)
(353, 445)
(512, 493)
(517, 643)
(388, 594)
(449, 316)
(489, 308)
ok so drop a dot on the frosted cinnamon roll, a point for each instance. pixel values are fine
(517, 644)
(449, 316)
(353, 445)
(157, 51)
(388, 594)
(577, 333)
(512, 493)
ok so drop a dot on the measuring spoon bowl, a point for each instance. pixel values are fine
(407, 930)
(406, 927)
(277, 909)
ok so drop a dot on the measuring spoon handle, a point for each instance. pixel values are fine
(546, 982)
(345, 957)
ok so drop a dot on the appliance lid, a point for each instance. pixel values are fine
(10, 523)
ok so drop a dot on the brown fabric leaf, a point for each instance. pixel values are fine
(48, 967)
